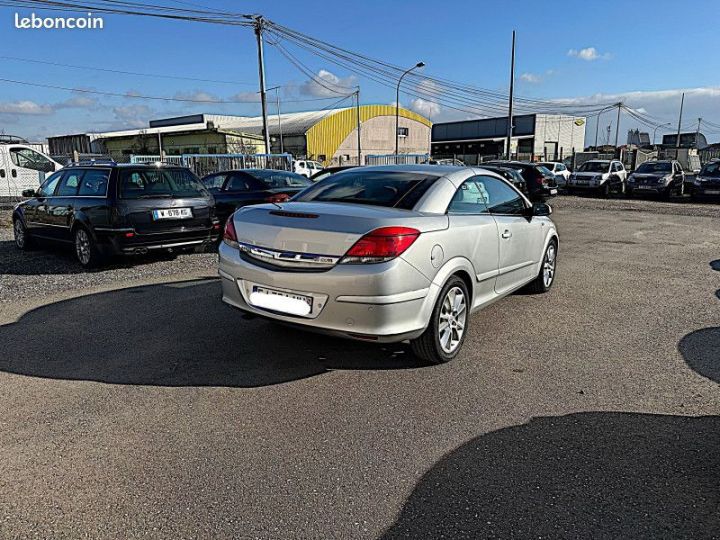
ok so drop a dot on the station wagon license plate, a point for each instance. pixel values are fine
(172, 213)
(281, 301)
(712, 191)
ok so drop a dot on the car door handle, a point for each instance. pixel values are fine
(506, 234)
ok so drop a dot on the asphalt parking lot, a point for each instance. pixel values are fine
(136, 404)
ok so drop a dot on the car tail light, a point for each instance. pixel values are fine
(278, 197)
(229, 235)
(381, 245)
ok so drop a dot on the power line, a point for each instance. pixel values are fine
(157, 98)
(122, 72)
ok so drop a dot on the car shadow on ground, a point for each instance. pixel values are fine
(715, 265)
(586, 475)
(701, 351)
(50, 259)
(177, 334)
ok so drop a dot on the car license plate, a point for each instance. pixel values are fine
(172, 213)
(712, 191)
(645, 187)
(553, 191)
(281, 301)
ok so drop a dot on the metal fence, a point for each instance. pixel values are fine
(396, 159)
(204, 164)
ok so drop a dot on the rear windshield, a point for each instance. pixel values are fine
(711, 169)
(390, 189)
(544, 171)
(656, 167)
(159, 183)
(594, 166)
(280, 179)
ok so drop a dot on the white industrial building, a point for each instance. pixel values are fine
(535, 136)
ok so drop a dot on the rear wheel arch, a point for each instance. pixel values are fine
(465, 276)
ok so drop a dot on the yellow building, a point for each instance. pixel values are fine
(328, 136)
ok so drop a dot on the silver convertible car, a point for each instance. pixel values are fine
(389, 254)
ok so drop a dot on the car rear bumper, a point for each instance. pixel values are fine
(387, 302)
(127, 241)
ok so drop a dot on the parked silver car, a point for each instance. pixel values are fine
(389, 254)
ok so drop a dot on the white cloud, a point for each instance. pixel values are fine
(25, 107)
(327, 84)
(197, 95)
(589, 54)
(428, 109)
(132, 116)
(78, 102)
(530, 78)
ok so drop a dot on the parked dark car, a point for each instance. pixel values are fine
(327, 171)
(233, 189)
(512, 175)
(106, 208)
(707, 181)
(539, 182)
(663, 177)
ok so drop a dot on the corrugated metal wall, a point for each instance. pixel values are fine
(325, 137)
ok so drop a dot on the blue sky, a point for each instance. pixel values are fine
(593, 53)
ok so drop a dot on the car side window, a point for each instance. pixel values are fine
(69, 184)
(560, 167)
(238, 183)
(94, 183)
(30, 159)
(214, 181)
(48, 187)
(470, 198)
(502, 199)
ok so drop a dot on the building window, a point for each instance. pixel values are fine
(402, 131)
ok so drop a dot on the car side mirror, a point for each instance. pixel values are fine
(28, 193)
(541, 209)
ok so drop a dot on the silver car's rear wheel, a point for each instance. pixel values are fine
(549, 266)
(442, 339)
(451, 323)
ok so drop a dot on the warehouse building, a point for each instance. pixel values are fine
(535, 136)
(328, 136)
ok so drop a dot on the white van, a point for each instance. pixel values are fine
(307, 167)
(22, 167)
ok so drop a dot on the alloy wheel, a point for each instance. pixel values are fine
(19, 231)
(549, 265)
(82, 246)
(451, 323)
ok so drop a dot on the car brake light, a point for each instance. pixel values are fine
(229, 235)
(278, 197)
(381, 245)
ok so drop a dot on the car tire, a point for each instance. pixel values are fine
(85, 247)
(548, 269)
(452, 311)
(605, 190)
(23, 240)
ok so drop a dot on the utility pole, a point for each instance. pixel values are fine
(697, 134)
(597, 125)
(357, 113)
(259, 21)
(510, 97)
(617, 124)
(677, 142)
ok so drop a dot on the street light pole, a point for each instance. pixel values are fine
(397, 105)
(658, 127)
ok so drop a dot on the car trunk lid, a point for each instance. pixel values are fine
(317, 234)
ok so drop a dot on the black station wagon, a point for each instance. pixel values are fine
(104, 208)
